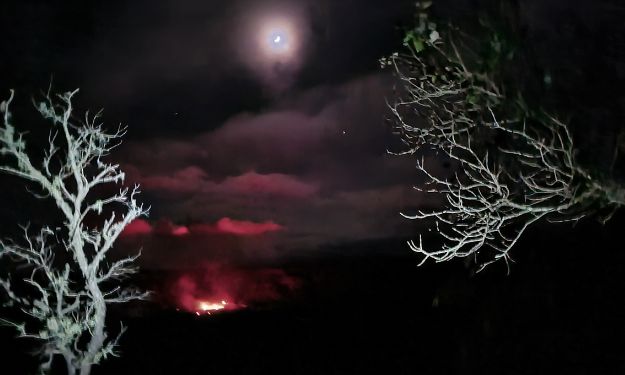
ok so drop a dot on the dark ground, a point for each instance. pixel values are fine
(559, 311)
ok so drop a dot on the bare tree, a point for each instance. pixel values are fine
(512, 165)
(71, 277)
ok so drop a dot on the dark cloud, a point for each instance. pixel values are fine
(193, 180)
(312, 133)
(315, 164)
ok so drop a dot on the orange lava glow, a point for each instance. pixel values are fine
(220, 288)
(207, 307)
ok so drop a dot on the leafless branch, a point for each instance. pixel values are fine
(513, 167)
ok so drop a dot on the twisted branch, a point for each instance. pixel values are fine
(513, 166)
(70, 300)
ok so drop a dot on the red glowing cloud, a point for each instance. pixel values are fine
(166, 227)
(225, 225)
(246, 228)
(137, 227)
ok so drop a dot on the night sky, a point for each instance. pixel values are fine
(283, 145)
(256, 129)
(228, 133)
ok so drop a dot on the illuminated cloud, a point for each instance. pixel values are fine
(226, 225)
(166, 227)
(187, 180)
(192, 179)
(246, 228)
(138, 227)
(278, 184)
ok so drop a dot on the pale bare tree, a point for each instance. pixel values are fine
(71, 276)
(512, 166)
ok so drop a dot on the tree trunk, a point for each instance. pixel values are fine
(98, 336)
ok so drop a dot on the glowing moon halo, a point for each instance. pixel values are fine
(278, 40)
(273, 42)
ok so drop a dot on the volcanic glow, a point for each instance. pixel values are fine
(207, 307)
(219, 288)
(211, 306)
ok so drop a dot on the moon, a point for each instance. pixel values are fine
(278, 42)
(272, 42)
